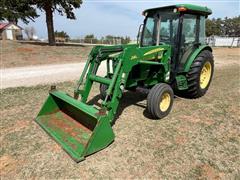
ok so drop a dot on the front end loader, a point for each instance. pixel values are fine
(171, 57)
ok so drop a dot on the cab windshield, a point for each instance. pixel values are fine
(160, 28)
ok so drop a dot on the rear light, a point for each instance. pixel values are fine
(181, 9)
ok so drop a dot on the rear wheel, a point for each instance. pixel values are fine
(160, 100)
(200, 75)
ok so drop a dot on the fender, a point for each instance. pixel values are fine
(194, 55)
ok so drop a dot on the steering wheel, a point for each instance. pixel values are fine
(164, 38)
(162, 43)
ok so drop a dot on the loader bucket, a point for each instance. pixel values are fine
(76, 126)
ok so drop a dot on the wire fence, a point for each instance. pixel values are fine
(218, 41)
(214, 41)
(113, 41)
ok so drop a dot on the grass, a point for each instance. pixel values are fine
(15, 54)
(199, 139)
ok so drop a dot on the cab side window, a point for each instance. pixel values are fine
(189, 29)
(202, 36)
(149, 34)
(189, 37)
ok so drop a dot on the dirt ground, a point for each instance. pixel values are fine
(226, 57)
(16, 54)
(199, 139)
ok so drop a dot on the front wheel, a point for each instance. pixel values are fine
(160, 100)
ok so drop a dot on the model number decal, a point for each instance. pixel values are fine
(134, 57)
(153, 51)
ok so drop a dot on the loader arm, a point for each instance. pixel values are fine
(115, 84)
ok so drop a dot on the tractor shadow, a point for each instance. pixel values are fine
(129, 98)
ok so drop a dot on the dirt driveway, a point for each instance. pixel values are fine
(43, 74)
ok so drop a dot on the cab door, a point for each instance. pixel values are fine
(189, 38)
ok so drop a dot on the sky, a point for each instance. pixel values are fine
(120, 17)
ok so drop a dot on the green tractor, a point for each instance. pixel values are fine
(170, 57)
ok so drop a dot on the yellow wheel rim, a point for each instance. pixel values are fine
(165, 102)
(205, 75)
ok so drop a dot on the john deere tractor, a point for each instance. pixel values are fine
(170, 57)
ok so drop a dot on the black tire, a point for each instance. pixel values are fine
(133, 89)
(155, 97)
(103, 88)
(193, 76)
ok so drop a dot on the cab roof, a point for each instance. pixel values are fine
(195, 9)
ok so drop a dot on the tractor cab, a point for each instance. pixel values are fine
(181, 26)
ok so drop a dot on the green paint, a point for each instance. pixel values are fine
(190, 7)
(182, 82)
(196, 8)
(194, 55)
(74, 125)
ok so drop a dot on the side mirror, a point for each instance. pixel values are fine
(139, 33)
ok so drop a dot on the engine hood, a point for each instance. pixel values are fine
(143, 53)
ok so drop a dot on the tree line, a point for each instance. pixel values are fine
(109, 39)
(92, 39)
(223, 27)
